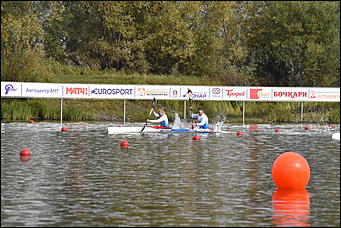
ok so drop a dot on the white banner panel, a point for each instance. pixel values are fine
(235, 93)
(260, 94)
(290, 94)
(42, 90)
(100, 91)
(324, 94)
(167, 92)
(11, 89)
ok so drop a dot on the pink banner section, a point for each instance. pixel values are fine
(168, 92)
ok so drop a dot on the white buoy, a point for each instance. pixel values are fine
(336, 136)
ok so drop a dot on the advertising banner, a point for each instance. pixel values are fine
(100, 91)
(260, 94)
(290, 94)
(42, 90)
(10, 89)
(324, 94)
(235, 93)
(167, 92)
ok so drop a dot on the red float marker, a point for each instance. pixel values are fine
(306, 128)
(278, 130)
(31, 122)
(331, 126)
(124, 144)
(290, 170)
(239, 133)
(64, 129)
(25, 153)
(196, 137)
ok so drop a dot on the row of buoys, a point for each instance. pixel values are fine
(289, 171)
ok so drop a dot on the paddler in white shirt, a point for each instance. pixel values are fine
(161, 118)
(202, 118)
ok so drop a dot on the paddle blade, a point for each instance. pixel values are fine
(143, 127)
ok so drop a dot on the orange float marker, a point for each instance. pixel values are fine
(290, 170)
(25, 153)
(124, 144)
(196, 137)
(239, 133)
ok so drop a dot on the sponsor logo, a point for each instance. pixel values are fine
(175, 93)
(196, 94)
(257, 93)
(9, 88)
(291, 94)
(77, 91)
(102, 91)
(152, 92)
(216, 90)
(324, 95)
(230, 93)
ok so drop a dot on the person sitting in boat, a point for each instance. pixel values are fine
(202, 118)
(161, 118)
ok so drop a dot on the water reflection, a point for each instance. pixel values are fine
(291, 207)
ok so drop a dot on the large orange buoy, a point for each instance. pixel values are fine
(196, 137)
(124, 144)
(25, 153)
(290, 170)
(290, 207)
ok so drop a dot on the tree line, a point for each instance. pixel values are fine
(269, 43)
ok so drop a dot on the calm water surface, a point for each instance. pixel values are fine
(83, 178)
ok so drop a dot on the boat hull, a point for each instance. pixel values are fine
(336, 136)
(156, 129)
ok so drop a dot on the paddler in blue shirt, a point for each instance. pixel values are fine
(202, 118)
(161, 118)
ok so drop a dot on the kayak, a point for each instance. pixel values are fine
(336, 136)
(156, 129)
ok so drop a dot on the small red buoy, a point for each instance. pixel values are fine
(196, 137)
(306, 128)
(239, 133)
(64, 129)
(290, 170)
(278, 130)
(31, 122)
(25, 153)
(124, 144)
(331, 125)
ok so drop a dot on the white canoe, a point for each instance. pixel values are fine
(156, 129)
(336, 136)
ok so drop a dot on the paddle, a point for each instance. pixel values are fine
(153, 104)
(189, 92)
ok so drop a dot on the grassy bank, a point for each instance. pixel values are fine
(112, 110)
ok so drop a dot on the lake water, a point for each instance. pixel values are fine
(83, 177)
